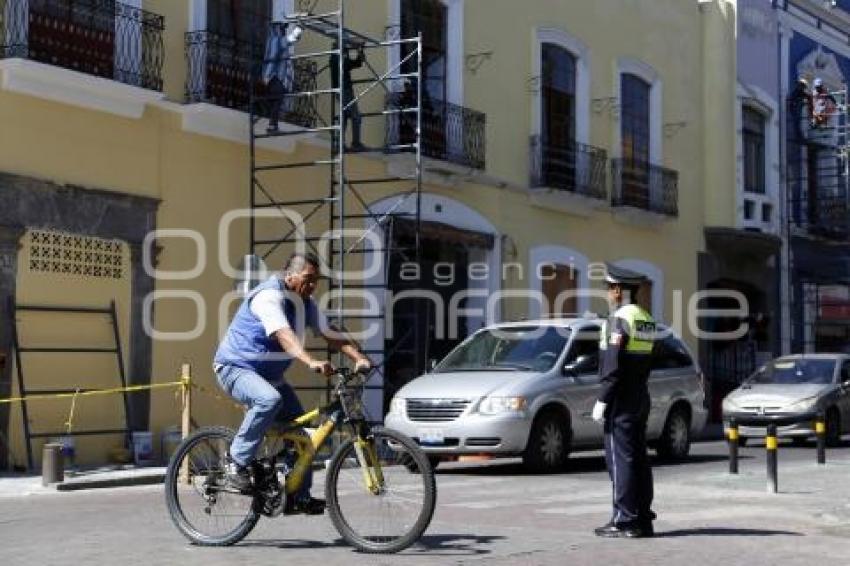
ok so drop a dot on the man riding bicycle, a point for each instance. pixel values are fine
(266, 334)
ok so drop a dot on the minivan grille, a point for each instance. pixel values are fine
(435, 410)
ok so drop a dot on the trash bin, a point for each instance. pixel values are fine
(142, 448)
(52, 466)
(171, 439)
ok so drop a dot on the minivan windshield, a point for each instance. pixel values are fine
(795, 372)
(518, 348)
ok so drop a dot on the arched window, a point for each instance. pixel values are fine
(634, 118)
(237, 18)
(558, 127)
(559, 284)
(635, 139)
(754, 149)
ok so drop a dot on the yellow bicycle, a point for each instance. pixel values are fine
(379, 485)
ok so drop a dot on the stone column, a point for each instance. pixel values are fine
(9, 242)
(141, 346)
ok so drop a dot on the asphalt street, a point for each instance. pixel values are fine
(490, 513)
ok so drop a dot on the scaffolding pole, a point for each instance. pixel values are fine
(348, 204)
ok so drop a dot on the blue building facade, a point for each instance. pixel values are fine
(815, 46)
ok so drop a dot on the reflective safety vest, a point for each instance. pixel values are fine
(641, 327)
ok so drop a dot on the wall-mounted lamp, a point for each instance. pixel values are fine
(672, 128)
(610, 104)
(475, 60)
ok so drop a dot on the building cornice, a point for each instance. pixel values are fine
(23, 76)
(832, 17)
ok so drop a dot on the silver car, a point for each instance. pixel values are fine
(799, 385)
(527, 389)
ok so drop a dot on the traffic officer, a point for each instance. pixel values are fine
(623, 406)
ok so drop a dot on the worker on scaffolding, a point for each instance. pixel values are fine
(353, 111)
(278, 70)
(824, 105)
(800, 106)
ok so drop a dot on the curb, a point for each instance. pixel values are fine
(147, 479)
(94, 483)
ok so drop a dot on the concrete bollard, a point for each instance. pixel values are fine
(732, 435)
(772, 445)
(52, 464)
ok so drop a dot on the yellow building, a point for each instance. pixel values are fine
(554, 136)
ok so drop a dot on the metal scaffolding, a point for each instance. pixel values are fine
(318, 107)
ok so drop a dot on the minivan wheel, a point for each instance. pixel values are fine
(675, 441)
(548, 444)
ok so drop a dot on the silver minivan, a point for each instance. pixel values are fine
(527, 389)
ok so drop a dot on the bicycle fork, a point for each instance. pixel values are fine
(367, 457)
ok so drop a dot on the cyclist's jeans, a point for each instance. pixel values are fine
(266, 404)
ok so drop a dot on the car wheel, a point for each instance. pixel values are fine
(548, 444)
(675, 441)
(833, 427)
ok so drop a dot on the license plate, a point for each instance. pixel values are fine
(431, 436)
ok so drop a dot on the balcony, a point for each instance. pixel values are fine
(220, 73)
(644, 186)
(102, 38)
(450, 132)
(827, 216)
(576, 168)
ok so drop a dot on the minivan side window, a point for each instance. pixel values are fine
(845, 372)
(670, 353)
(585, 342)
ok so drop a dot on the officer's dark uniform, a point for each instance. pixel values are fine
(626, 352)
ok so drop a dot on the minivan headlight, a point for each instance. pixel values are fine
(729, 405)
(397, 406)
(501, 405)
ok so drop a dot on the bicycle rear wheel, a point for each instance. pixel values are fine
(198, 503)
(394, 514)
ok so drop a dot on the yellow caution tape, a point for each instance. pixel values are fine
(69, 424)
(130, 389)
(771, 443)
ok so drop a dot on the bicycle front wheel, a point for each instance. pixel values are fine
(381, 507)
(201, 506)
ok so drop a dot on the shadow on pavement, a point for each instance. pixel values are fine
(297, 544)
(724, 532)
(575, 465)
(444, 544)
(448, 544)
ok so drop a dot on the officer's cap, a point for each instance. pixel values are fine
(620, 276)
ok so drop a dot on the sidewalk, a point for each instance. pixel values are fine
(16, 485)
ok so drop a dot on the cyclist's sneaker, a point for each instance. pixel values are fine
(307, 506)
(237, 477)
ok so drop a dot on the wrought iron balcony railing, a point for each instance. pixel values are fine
(103, 38)
(576, 168)
(221, 69)
(642, 185)
(449, 132)
(827, 216)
